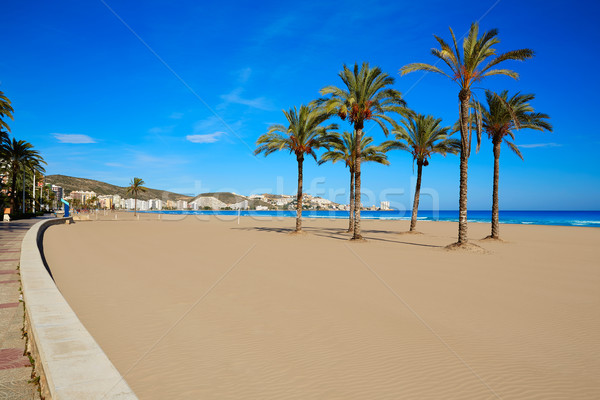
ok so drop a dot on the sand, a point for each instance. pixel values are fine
(206, 308)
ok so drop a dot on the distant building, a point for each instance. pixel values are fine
(105, 202)
(182, 205)
(81, 195)
(58, 192)
(384, 206)
(155, 204)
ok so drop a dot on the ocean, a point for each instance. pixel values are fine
(562, 218)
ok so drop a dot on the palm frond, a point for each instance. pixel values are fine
(515, 149)
(414, 67)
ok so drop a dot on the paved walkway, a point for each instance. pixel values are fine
(15, 369)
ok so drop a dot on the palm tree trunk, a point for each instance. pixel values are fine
(357, 160)
(464, 97)
(299, 196)
(351, 219)
(13, 192)
(23, 205)
(135, 204)
(495, 211)
(413, 218)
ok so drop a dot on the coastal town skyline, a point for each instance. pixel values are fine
(130, 102)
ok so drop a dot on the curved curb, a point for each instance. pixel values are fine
(69, 362)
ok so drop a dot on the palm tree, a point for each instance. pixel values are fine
(345, 150)
(6, 110)
(303, 135)
(135, 186)
(367, 96)
(476, 62)
(499, 119)
(93, 202)
(19, 156)
(4, 136)
(422, 136)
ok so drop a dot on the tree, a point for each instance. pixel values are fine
(345, 150)
(367, 96)
(499, 119)
(135, 186)
(422, 136)
(6, 110)
(303, 135)
(93, 202)
(20, 157)
(476, 62)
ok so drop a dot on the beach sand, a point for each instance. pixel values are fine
(206, 308)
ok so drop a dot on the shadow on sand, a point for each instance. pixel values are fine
(342, 234)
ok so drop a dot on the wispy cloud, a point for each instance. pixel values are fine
(212, 125)
(244, 75)
(114, 164)
(206, 138)
(536, 145)
(161, 129)
(145, 160)
(176, 115)
(73, 138)
(234, 97)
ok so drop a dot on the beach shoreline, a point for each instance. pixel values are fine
(209, 308)
(514, 217)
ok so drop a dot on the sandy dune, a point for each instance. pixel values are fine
(209, 309)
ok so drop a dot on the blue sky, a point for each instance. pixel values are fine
(178, 92)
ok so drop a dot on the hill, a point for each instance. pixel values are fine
(232, 198)
(70, 183)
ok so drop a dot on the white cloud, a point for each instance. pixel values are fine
(536, 145)
(234, 97)
(207, 138)
(176, 115)
(73, 138)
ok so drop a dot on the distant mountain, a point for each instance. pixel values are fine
(232, 198)
(70, 183)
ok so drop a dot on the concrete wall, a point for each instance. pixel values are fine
(68, 360)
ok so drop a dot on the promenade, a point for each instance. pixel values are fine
(15, 368)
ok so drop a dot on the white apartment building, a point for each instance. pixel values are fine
(155, 204)
(384, 205)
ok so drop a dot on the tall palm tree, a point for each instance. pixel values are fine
(135, 186)
(422, 136)
(19, 157)
(345, 150)
(303, 135)
(477, 61)
(499, 119)
(6, 110)
(367, 96)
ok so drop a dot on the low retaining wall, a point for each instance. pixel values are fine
(69, 362)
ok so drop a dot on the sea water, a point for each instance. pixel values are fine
(564, 218)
